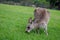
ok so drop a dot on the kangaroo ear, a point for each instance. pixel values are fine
(30, 20)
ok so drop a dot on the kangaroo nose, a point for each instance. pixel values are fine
(26, 31)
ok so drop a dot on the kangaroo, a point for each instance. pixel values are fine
(41, 19)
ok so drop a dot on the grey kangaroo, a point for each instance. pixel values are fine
(41, 19)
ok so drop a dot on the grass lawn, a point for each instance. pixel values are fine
(13, 21)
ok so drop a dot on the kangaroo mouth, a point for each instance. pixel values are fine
(27, 31)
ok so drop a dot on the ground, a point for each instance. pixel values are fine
(13, 21)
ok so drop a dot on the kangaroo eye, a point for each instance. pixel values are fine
(28, 27)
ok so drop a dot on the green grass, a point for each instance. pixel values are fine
(13, 21)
